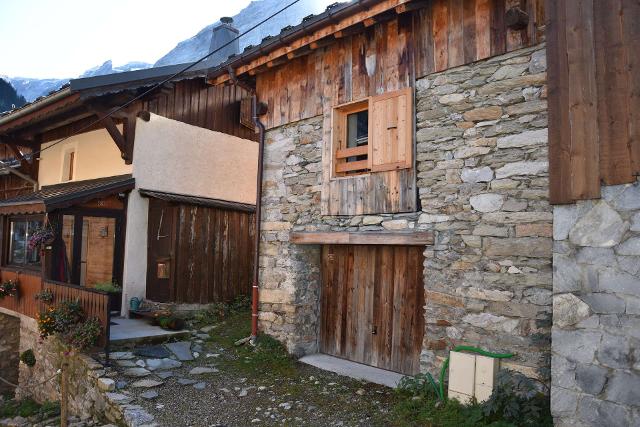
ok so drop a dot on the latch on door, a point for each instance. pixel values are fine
(374, 330)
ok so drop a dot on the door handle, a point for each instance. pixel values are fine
(374, 330)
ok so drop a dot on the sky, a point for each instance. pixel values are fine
(63, 38)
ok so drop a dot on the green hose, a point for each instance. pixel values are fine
(445, 365)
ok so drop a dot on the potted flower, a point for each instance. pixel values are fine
(115, 294)
(41, 237)
(9, 289)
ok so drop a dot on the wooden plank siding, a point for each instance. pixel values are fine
(594, 96)
(199, 104)
(210, 253)
(387, 56)
(193, 101)
(10, 184)
(372, 305)
(391, 55)
(95, 304)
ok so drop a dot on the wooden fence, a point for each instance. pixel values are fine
(94, 303)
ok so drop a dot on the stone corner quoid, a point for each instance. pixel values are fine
(596, 309)
(483, 185)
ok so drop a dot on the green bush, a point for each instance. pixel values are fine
(28, 358)
(110, 287)
(515, 402)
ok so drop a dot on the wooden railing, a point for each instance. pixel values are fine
(94, 303)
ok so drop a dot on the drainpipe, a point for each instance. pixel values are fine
(256, 260)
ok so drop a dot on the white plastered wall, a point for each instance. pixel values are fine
(174, 157)
(95, 156)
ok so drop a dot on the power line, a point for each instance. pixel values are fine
(156, 86)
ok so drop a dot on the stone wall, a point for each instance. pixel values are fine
(42, 382)
(482, 163)
(9, 351)
(596, 310)
(483, 185)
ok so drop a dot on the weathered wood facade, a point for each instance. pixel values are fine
(594, 96)
(372, 303)
(198, 254)
(387, 53)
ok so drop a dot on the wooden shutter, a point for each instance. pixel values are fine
(391, 131)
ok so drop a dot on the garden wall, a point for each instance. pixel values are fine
(9, 351)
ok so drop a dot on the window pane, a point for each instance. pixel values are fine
(357, 129)
(18, 250)
(33, 254)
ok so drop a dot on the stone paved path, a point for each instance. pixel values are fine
(199, 384)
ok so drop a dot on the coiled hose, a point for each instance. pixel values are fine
(439, 388)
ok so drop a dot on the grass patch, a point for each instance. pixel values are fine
(267, 358)
(515, 402)
(28, 408)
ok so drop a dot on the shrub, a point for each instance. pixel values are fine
(45, 295)
(84, 335)
(9, 288)
(28, 358)
(110, 287)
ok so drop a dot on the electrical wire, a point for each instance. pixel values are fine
(156, 86)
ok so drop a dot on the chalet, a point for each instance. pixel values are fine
(450, 172)
(158, 198)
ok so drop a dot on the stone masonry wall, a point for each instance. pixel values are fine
(483, 185)
(596, 310)
(9, 351)
(40, 382)
(482, 164)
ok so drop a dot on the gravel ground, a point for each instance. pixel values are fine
(262, 389)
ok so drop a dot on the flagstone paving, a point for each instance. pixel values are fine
(204, 382)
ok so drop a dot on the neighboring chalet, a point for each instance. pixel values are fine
(413, 152)
(158, 198)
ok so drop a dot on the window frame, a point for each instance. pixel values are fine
(7, 242)
(339, 129)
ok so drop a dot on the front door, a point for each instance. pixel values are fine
(90, 248)
(372, 305)
(160, 259)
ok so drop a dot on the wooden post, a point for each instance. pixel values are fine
(64, 406)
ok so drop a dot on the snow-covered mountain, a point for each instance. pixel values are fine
(194, 47)
(197, 46)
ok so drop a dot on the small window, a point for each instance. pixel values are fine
(20, 230)
(351, 138)
(374, 134)
(68, 166)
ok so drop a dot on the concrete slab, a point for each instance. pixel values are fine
(353, 369)
(123, 329)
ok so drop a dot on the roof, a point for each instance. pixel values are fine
(60, 196)
(333, 14)
(199, 201)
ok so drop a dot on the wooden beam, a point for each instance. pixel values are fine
(415, 238)
(24, 163)
(410, 7)
(129, 128)
(347, 32)
(38, 114)
(328, 30)
(114, 132)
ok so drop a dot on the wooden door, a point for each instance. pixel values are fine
(160, 251)
(372, 305)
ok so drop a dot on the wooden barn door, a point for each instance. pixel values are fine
(372, 305)
(160, 251)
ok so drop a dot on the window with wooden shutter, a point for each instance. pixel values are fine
(373, 135)
(391, 131)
